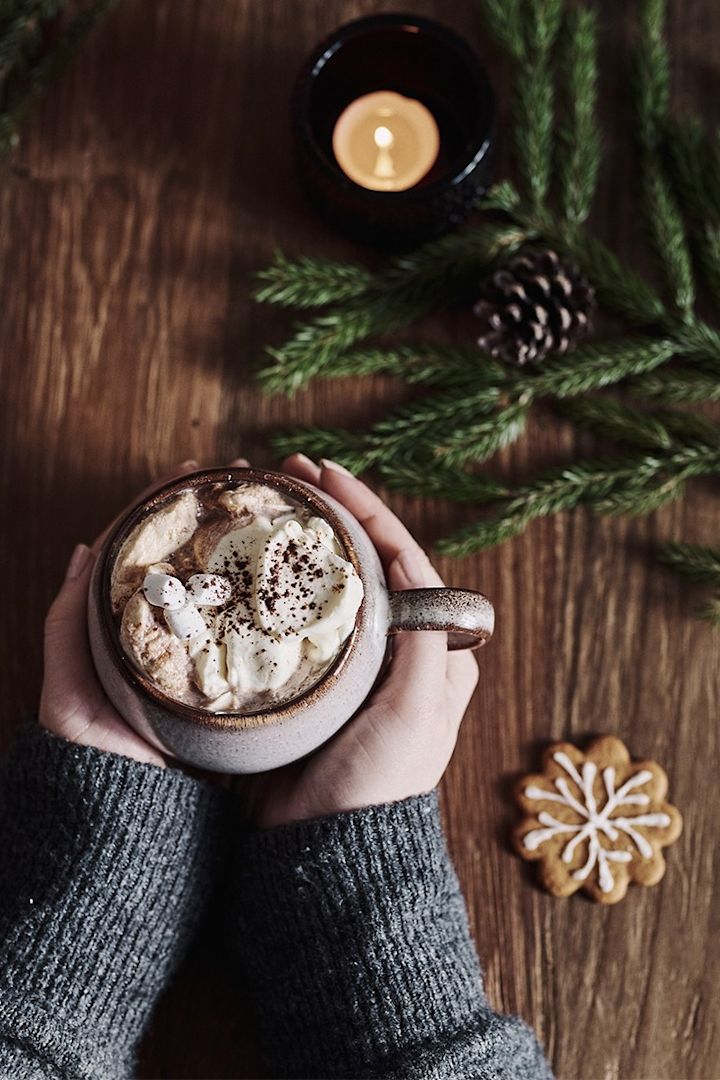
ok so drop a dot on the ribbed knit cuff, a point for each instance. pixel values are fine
(355, 935)
(105, 866)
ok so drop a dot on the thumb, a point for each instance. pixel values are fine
(69, 673)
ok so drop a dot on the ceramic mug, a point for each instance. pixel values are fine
(268, 738)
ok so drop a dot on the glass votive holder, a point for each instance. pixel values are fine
(392, 121)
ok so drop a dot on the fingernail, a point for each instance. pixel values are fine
(191, 463)
(305, 460)
(333, 466)
(412, 564)
(240, 463)
(78, 562)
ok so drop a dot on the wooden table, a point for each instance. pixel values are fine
(148, 189)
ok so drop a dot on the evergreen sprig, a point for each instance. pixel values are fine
(26, 68)
(700, 564)
(472, 405)
(664, 221)
(636, 483)
(579, 137)
(389, 301)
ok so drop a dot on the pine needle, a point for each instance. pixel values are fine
(663, 219)
(33, 81)
(678, 385)
(504, 19)
(430, 478)
(534, 99)
(632, 484)
(412, 285)
(579, 150)
(692, 561)
(306, 282)
(660, 430)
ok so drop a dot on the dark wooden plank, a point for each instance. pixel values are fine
(150, 186)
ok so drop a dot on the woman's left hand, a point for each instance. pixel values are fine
(73, 703)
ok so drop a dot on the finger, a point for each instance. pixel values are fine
(302, 468)
(240, 463)
(386, 531)
(182, 469)
(418, 667)
(462, 678)
(70, 682)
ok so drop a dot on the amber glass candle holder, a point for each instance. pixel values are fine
(421, 60)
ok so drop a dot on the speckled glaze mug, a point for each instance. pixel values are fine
(267, 739)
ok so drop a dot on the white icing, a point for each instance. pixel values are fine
(595, 822)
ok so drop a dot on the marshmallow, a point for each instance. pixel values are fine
(186, 622)
(209, 590)
(165, 591)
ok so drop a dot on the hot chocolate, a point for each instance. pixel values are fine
(232, 598)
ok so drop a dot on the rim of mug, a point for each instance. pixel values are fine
(301, 492)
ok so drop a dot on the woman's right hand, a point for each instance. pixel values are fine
(402, 740)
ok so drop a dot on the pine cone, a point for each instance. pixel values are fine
(533, 306)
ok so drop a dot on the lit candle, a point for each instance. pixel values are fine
(386, 142)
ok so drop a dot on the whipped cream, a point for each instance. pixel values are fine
(272, 607)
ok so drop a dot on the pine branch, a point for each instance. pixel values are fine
(428, 478)
(534, 99)
(637, 483)
(316, 345)
(678, 385)
(504, 20)
(698, 341)
(692, 561)
(694, 162)
(558, 489)
(667, 234)
(346, 447)
(502, 196)
(597, 364)
(579, 157)
(427, 364)
(701, 564)
(710, 612)
(435, 272)
(46, 70)
(411, 286)
(617, 286)
(643, 496)
(20, 27)
(660, 430)
(306, 282)
(481, 439)
(429, 419)
(663, 219)
(652, 74)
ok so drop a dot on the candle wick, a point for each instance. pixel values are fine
(384, 140)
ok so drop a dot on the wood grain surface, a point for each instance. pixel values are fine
(149, 187)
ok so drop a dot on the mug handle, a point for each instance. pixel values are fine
(468, 617)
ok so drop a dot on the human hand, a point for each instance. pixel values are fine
(402, 740)
(73, 703)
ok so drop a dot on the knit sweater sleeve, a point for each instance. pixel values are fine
(355, 937)
(105, 865)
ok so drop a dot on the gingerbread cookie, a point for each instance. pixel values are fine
(596, 820)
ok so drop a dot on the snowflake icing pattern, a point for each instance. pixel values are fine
(593, 820)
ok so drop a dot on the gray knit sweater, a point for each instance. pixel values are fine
(351, 929)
